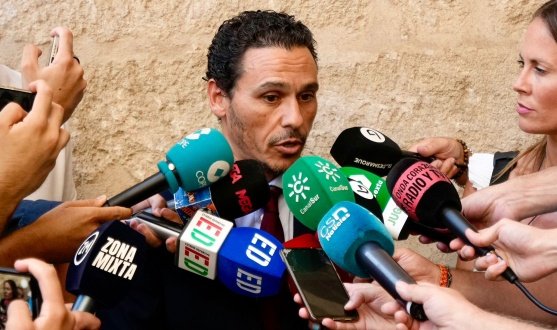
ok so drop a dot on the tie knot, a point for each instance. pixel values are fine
(270, 221)
(275, 191)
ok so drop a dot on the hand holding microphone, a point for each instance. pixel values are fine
(428, 196)
(196, 161)
(513, 241)
(451, 155)
(246, 260)
(243, 190)
(319, 196)
(445, 308)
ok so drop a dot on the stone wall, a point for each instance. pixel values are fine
(409, 68)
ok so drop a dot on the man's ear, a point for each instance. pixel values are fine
(218, 100)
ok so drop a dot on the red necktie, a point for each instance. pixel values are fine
(271, 307)
(271, 221)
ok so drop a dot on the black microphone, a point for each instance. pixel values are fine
(244, 190)
(369, 149)
(369, 188)
(105, 266)
(428, 196)
(196, 161)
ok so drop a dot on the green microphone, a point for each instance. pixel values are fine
(393, 217)
(311, 186)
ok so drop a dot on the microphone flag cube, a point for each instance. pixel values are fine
(200, 242)
(249, 263)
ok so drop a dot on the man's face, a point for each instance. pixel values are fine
(272, 107)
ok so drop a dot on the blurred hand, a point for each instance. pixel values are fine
(64, 75)
(446, 150)
(155, 203)
(30, 143)
(57, 234)
(528, 250)
(54, 314)
(483, 208)
(444, 307)
(418, 267)
(367, 299)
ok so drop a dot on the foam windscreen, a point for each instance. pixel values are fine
(311, 186)
(421, 190)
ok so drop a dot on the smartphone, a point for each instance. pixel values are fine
(162, 227)
(318, 283)
(16, 285)
(22, 97)
(53, 49)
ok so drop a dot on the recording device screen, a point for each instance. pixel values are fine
(318, 283)
(17, 285)
(22, 97)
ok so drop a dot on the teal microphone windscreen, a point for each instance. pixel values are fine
(346, 227)
(198, 160)
(357, 242)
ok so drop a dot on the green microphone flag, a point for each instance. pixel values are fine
(311, 186)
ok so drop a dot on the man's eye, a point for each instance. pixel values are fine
(520, 63)
(271, 97)
(307, 96)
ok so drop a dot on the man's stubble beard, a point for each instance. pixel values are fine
(240, 131)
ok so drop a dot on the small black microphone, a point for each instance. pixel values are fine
(105, 266)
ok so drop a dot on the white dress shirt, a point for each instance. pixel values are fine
(286, 217)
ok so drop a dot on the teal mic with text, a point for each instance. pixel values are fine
(360, 244)
(196, 161)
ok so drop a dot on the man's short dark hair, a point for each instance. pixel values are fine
(252, 29)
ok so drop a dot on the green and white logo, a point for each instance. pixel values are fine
(298, 187)
(330, 173)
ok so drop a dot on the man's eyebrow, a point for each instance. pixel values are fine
(311, 87)
(272, 84)
(314, 86)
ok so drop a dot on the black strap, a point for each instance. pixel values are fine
(500, 160)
